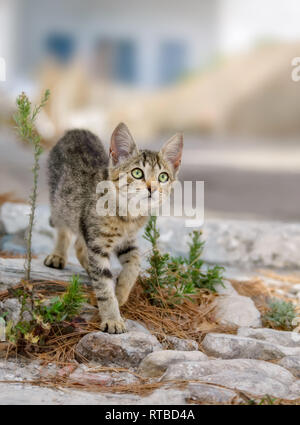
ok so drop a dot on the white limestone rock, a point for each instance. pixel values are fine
(232, 309)
(15, 217)
(284, 338)
(180, 344)
(156, 363)
(291, 363)
(229, 346)
(121, 350)
(254, 377)
(211, 394)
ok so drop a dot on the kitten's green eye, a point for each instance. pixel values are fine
(163, 177)
(137, 173)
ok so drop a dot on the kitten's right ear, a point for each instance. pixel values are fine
(122, 144)
(172, 151)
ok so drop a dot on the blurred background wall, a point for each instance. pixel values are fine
(219, 70)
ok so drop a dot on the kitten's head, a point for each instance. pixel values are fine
(142, 177)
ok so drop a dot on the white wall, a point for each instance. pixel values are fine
(242, 23)
(148, 22)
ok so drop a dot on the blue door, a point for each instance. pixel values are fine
(172, 61)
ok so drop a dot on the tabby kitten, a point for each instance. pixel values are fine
(76, 165)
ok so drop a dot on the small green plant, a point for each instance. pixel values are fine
(64, 307)
(280, 315)
(180, 277)
(43, 314)
(25, 124)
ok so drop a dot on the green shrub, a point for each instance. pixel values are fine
(180, 277)
(64, 307)
(280, 315)
(25, 124)
(43, 315)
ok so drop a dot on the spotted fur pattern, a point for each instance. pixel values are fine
(76, 165)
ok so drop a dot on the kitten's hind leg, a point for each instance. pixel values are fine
(58, 258)
(81, 252)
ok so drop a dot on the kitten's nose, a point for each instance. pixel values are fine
(151, 189)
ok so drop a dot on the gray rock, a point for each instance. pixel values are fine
(14, 394)
(12, 270)
(82, 377)
(240, 243)
(253, 383)
(231, 242)
(19, 393)
(236, 310)
(295, 387)
(133, 325)
(155, 364)
(11, 308)
(291, 363)
(41, 243)
(42, 225)
(211, 394)
(121, 350)
(16, 243)
(251, 376)
(284, 338)
(236, 347)
(15, 217)
(180, 344)
(232, 309)
(250, 243)
(19, 371)
(226, 289)
(13, 243)
(195, 370)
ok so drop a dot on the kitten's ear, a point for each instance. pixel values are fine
(172, 151)
(122, 144)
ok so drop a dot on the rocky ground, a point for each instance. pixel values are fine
(248, 363)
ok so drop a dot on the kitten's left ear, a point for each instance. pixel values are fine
(122, 144)
(172, 151)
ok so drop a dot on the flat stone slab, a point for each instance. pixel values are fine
(229, 346)
(284, 338)
(255, 377)
(156, 363)
(291, 363)
(18, 393)
(14, 394)
(12, 271)
(211, 394)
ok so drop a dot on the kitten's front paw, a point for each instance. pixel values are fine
(113, 326)
(55, 261)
